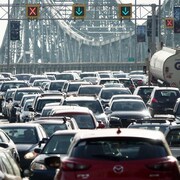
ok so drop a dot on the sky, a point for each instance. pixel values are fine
(3, 23)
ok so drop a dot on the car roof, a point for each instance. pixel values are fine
(66, 108)
(80, 98)
(129, 100)
(69, 131)
(165, 88)
(123, 132)
(28, 88)
(127, 95)
(19, 125)
(52, 121)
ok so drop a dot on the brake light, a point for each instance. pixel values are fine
(154, 100)
(74, 166)
(132, 87)
(163, 166)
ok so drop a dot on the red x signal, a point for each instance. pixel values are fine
(169, 22)
(32, 11)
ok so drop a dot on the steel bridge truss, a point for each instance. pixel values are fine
(57, 38)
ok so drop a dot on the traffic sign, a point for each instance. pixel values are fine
(32, 11)
(131, 59)
(79, 11)
(169, 22)
(125, 11)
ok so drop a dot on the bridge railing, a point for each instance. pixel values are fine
(39, 68)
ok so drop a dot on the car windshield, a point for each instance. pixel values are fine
(107, 94)
(58, 144)
(94, 106)
(42, 102)
(89, 90)
(56, 85)
(127, 148)
(84, 121)
(6, 86)
(51, 128)
(19, 94)
(127, 106)
(22, 135)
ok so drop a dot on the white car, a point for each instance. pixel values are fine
(25, 114)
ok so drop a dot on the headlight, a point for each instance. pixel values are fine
(37, 166)
(30, 155)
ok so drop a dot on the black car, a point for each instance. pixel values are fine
(162, 100)
(127, 110)
(26, 136)
(57, 145)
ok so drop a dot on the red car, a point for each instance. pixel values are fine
(126, 154)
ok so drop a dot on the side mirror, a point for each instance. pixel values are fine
(37, 150)
(43, 141)
(53, 162)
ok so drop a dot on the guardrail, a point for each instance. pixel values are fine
(38, 68)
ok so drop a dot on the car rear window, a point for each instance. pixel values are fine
(119, 149)
(170, 94)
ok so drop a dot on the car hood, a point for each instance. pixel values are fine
(25, 147)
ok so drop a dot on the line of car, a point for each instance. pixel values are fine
(72, 142)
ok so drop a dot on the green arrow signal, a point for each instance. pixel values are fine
(125, 11)
(79, 11)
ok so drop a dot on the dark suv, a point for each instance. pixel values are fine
(162, 100)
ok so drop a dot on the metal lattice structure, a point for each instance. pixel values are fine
(57, 38)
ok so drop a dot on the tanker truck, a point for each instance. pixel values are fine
(165, 67)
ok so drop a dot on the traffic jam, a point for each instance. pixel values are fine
(89, 125)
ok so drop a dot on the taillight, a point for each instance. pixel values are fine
(154, 100)
(74, 166)
(163, 166)
(131, 87)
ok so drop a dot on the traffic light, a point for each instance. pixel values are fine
(32, 11)
(125, 11)
(79, 11)
(141, 33)
(14, 30)
(169, 23)
(177, 19)
(149, 26)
